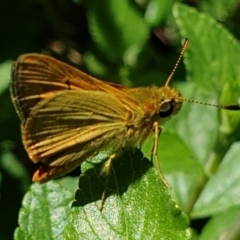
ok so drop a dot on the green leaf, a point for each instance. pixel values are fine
(212, 68)
(184, 173)
(230, 120)
(5, 69)
(45, 210)
(196, 124)
(138, 205)
(223, 188)
(215, 69)
(116, 26)
(11, 165)
(158, 11)
(220, 9)
(211, 59)
(224, 226)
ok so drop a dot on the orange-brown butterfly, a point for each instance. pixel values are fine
(68, 116)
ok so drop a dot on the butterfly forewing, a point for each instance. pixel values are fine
(36, 77)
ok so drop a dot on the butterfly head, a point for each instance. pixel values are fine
(170, 102)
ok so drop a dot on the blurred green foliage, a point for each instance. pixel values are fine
(135, 43)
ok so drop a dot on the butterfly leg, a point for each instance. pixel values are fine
(157, 133)
(106, 169)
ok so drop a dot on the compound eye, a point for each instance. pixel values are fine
(166, 109)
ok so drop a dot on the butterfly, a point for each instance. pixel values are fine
(68, 116)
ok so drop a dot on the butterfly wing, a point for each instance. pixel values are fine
(67, 128)
(36, 77)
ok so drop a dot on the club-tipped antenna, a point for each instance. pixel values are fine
(184, 47)
(232, 107)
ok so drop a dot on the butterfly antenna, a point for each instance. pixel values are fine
(184, 47)
(233, 107)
